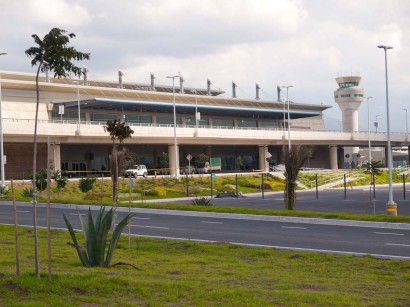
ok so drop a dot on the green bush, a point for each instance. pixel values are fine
(96, 237)
(202, 201)
(86, 184)
(59, 179)
(4, 190)
(27, 192)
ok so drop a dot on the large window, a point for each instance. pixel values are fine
(268, 123)
(247, 123)
(68, 115)
(140, 119)
(103, 117)
(161, 120)
(191, 121)
(222, 122)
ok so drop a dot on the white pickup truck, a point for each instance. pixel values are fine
(136, 170)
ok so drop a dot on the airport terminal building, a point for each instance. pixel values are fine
(72, 113)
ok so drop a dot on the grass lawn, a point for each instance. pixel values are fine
(183, 273)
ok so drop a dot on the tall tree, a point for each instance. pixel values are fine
(53, 53)
(119, 132)
(294, 160)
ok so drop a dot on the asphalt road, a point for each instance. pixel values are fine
(329, 200)
(264, 231)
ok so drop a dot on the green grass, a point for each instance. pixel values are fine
(182, 273)
(247, 210)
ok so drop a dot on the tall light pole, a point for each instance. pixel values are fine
(175, 126)
(78, 108)
(1, 137)
(287, 100)
(391, 206)
(407, 126)
(368, 128)
(376, 122)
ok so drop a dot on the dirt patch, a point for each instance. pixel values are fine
(15, 288)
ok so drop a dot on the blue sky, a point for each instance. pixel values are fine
(301, 43)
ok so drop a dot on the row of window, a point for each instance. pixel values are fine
(348, 84)
(348, 95)
(168, 120)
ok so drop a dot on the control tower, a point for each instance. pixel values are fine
(349, 96)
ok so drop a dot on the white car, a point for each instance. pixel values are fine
(136, 170)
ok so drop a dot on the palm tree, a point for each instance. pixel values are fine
(118, 131)
(294, 160)
(52, 53)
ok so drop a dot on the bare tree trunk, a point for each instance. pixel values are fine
(48, 211)
(16, 231)
(36, 258)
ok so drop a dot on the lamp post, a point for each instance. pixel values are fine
(287, 100)
(391, 206)
(175, 126)
(1, 136)
(376, 123)
(368, 128)
(78, 108)
(407, 126)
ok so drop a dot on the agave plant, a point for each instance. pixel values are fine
(96, 237)
(202, 201)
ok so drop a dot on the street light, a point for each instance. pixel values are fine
(391, 206)
(287, 100)
(78, 108)
(1, 137)
(175, 125)
(368, 128)
(376, 123)
(407, 126)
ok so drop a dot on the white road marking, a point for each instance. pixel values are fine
(324, 251)
(76, 214)
(388, 233)
(23, 211)
(141, 218)
(142, 226)
(396, 244)
(293, 227)
(206, 222)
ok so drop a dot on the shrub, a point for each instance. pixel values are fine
(59, 179)
(27, 192)
(202, 201)
(151, 192)
(86, 184)
(161, 191)
(96, 237)
(41, 180)
(4, 190)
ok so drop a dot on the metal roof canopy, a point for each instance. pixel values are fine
(185, 108)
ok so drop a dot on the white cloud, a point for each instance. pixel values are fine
(60, 13)
(306, 43)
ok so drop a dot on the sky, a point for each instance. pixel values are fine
(303, 43)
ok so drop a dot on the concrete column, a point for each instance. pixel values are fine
(55, 156)
(263, 164)
(333, 157)
(408, 155)
(341, 158)
(171, 154)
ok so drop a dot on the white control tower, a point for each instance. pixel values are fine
(349, 96)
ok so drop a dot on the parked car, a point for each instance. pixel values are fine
(277, 168)
(136, 170)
